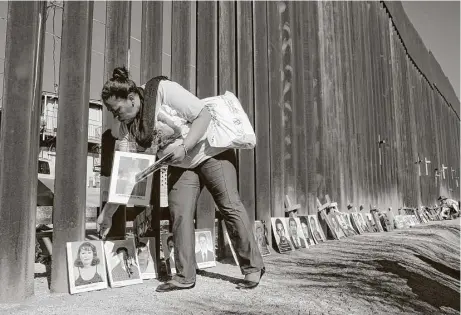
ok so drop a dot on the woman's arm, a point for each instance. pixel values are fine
(189, 107)
(197, 129)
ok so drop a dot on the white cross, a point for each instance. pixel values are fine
(452, 170)
(437, 174)
(443, 170)
(426, 161)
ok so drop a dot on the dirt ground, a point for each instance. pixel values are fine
(411, 271)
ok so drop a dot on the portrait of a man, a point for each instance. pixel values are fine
(297, 240)
(335, 226)
(122, 263)
(305, 229)
(146, 257)
(315, 229)
(168, 252)
(283, 243)
(261, 240)
(204, 249)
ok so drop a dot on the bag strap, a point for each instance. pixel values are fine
(145, 133)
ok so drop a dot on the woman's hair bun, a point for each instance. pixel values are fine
(120, 74)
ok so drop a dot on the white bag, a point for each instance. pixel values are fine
(229, 126)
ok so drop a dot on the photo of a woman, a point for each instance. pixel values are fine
(86, 266)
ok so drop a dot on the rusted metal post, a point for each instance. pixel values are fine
(72, 136)
(118, 17)
(151, 66)
(18, 160)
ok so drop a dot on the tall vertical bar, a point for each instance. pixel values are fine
(262, 116)
(180, 43)
(276, 132)
(207, 85)
(245, 92)
(151, 66)
(118, 17)
(72, 136)
(18, 161)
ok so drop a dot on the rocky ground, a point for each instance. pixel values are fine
(411, 271)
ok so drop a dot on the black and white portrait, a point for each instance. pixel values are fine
(281, 235)
(122, 263)
(168, 252)
(145, 248)
(304, 223)
(204, 249)
(261, 238)
(86, 266)
(123, 187)
(315, 229)
(296, 234)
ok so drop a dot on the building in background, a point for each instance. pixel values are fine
(50, 88)
(49, 128)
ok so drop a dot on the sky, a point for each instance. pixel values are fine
(438, 24)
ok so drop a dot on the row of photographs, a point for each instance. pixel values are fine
(296, 232)
(303, 231)
(94, 265)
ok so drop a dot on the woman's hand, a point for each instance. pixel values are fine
(179, 153)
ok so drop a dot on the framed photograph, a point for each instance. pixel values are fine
(362, 220)
(281, 236)
(260, 232)
(204, 249)
(304, 222)
(343, 219)
(399, 222)
(122, 263)
(168, 252)
(385, 222)
(378, 225)
(315, 229)
(228, 242)
(123, 188)
(145, 247)
(296, 234)
(356, 224)
(335, 226)
(86, 266)
(371, 222)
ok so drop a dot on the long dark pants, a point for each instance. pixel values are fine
(219, 175)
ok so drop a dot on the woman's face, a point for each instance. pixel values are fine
(125, 110)
(86, 256)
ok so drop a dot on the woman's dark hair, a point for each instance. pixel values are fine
(119, 86)
(87, 245)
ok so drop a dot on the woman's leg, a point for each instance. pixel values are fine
(220, 177)
(184, 189)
